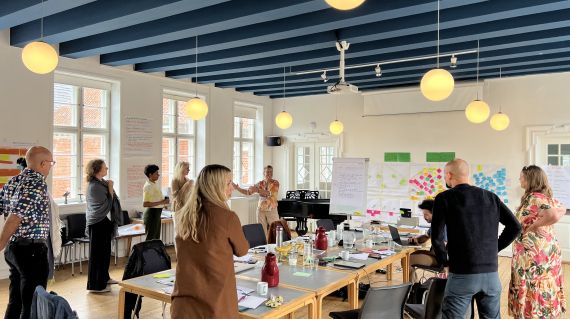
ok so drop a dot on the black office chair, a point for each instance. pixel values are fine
(254, 234)
(380, 302)
(153, 263)
(431, 309)
(66, 246)
(76, 233)
(326, 223)
(436, 270)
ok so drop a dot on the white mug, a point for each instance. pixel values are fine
(333, 234)
(345, 255)
(262, 288)
(369, 243)
(271, 248)
(331, 240)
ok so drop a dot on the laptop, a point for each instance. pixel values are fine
(348, 264)
(397, 240)
(239, 267)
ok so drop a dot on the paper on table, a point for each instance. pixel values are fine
(244, 259)
(244, 290)
(168, 290)
(318, 251)
(384, 252)
(169, 281)
(362, 256)
(251, 302)
(302, 274)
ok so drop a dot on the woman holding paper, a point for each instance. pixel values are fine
(536, 288)
(209, 234)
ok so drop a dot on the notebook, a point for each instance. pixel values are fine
(239, 267)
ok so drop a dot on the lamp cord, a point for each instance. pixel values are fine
(196, 66)
(438, 34)
(500, 105)
(283, 89)
(477, 68)
(42, 22)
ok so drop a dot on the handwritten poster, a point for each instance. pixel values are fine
(138, 137)
(559, 181)
(135, 180)
(348, 184)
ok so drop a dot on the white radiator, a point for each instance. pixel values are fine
(167, 234)
(253, 209)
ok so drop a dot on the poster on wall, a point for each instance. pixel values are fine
(492, 178)
(135, 181)
(559, 181)
(138, 137)
(427, 179)
(9, 154)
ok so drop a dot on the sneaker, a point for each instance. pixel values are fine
(102, 290)
(112, 281)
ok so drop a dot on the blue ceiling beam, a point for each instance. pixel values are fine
(223, 16)
(279, 29)
(98, 17)
(395, 33)
(16, 12)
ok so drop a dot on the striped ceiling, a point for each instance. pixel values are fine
(246, 44)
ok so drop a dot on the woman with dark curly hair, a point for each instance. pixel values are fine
(103, 217)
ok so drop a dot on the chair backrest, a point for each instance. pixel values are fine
(254, 234)
(434, 298)
(326, 223)
(385, 302)
(126, 218)
(76, 226)
(153, 262)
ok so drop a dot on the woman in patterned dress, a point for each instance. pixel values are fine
(536, 288)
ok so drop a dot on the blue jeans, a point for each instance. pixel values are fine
(461, 289)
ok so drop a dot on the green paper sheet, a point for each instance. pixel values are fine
(390, 157)
(302, 274)
(404, 157)
(441, 157)
(162, 276)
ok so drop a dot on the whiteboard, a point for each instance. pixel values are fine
(559, 180)
(349, 186)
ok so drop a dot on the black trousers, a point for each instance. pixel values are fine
(99, 254)
(29, 268)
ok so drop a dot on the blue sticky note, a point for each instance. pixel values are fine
(480, 174)
(474, 176)
(492, 191)
(501, 183)
(504, 170)
(504, 193)
(506, 201)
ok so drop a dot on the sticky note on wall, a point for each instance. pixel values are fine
(4, 157)
(4, 180)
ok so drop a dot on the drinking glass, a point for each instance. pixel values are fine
(315, 264)
(293, 259)
(391, 245)
(348, 239)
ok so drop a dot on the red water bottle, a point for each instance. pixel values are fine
(321, 242)
(270, 271)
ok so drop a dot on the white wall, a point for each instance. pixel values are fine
(27, 110)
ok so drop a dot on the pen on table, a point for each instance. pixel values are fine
(242, 298)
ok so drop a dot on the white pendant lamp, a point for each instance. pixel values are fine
(283, 119)
(40, 57)
(196, 108)
(477, 111)
(336, 127)
(500, 121)
(437, 84)
(344, 4)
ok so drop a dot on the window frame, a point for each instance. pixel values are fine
(80, 130)
(559, 156)
(240, 140)
(175, 136)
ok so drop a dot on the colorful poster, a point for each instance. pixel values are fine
(427, 179)
(492, 178)
(9, 154)
(138, 137)
(135, 181)
(395, 178)
(374, 175)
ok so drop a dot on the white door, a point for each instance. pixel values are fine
(312, 166)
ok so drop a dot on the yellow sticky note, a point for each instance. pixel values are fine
(4, 157)
(418, 194)
(479, 168)
(425, 169)
(3, 180)
(358, 213)
(440, 186)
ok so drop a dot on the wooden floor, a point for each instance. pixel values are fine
(91, 306)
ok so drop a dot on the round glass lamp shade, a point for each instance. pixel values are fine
(40, 57)
(336, 127)
(437, 84)
(196, 109)
(499, 121)
(284, 120)
(344, 4)
(477, 111)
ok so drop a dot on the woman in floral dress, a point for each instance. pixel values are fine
(536, 288)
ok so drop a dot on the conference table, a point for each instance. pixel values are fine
(301, 291)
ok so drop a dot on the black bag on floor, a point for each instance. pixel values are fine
(362, 290)
(418, 291)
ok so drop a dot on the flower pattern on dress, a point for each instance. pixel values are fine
(26, 196)
(536, 287)
(269, 203)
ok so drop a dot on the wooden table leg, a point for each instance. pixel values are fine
(389, 271)
(405, 269)
(129, 241)
(291, 315)
(312, 310)
(319, 307)
(353, 295)
(122, 303)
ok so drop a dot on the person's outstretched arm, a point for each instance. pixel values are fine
(437, 230)
(512, 226)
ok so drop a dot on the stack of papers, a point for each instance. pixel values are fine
(385, 252)
(259, 249)
(362, 256)
(168, 290)
(168, 281)
(244, 259)
(248, 301)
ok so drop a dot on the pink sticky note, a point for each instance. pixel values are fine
(416, 181)
(411, 181)
(425, 183)
(369, 211)
(421, 187)
(438, 176)
(439, 170)
(431, 181)
(422, 177)
(429, 176)
(376, 212)
(429, 192)
(391, 214)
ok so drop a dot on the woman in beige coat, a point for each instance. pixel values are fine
(208, 235)
(181, 185)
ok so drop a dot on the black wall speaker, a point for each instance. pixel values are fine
(274, 140)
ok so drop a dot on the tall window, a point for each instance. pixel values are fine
(559, 154)
(81, 133)
(244, 141)
(178, 137)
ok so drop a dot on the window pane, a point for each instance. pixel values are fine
(247, 128)
(65, 105)
(185, 124)
(236, 126)
(94, 97)
(94, 117)
(63, 114)
(552, 160)
(64, 94)
(168, 158)
(64, 144)
(168, 116)
(65, 166)
(94, 145)
(565, 160)
(552, 149)
(186, 153)
(564, 149)
(60, 186)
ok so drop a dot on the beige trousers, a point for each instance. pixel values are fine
(267, 218)
(421, 257)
